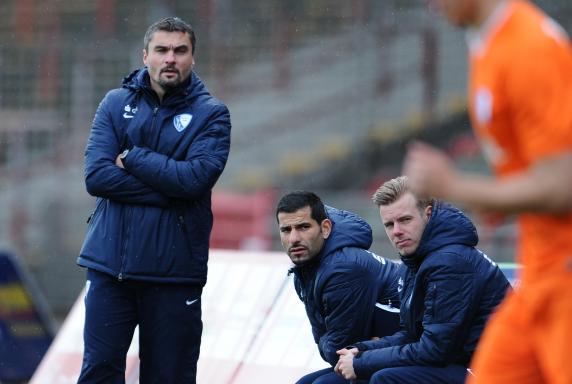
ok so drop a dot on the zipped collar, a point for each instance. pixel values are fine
(192, 88)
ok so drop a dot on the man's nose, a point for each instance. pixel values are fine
(397, 230)
(170, 56)
(294, 237)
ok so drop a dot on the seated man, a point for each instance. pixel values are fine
(342, 284)
(450, 289)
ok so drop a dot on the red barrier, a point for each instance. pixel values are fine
(241, 221)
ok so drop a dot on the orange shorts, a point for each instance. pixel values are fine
(529, 339)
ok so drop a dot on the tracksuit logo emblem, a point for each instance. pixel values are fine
(190, 302)
(182, 121)
(129, 112)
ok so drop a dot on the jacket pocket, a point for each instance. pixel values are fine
(96, 211)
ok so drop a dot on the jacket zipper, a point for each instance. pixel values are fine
(152, 134)
(183, 224)
(125, 242)
(128, 217)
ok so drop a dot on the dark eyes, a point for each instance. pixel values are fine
(179, 50)
(402, 220)
(302, 227)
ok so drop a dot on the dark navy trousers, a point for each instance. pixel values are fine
(323, 376)
(327, 376)
(451, 374)
(170, 328)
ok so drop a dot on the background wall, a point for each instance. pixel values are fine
(323, 95)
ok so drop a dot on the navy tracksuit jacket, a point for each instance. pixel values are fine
(153, 220)
(342, 285)
(450, 290)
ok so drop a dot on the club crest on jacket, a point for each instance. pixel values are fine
(182, 121)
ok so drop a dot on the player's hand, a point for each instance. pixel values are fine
(430, 171)
(345, 365)
(345, 351)
(118, 162)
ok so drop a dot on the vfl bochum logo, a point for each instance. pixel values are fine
(182, 121)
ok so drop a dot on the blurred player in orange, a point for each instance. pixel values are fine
(520, 102)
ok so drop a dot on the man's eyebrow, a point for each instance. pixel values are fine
(161, 46)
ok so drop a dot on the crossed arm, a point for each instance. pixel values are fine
(149, 177)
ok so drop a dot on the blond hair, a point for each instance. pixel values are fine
(392, 190)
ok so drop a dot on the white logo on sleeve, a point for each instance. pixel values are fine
(87, 285)
(378, 258)
(182, 121)
(387, 308)
(483, 106)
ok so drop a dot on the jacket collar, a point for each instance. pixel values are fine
(447, 226)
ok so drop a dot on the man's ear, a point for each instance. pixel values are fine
(144, 56)
(326, 228)
(428, 211)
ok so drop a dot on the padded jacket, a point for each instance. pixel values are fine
(449, 291)
(153, 219)
(342, 284)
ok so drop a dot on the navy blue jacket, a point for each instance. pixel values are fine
(450, 289)
(153, 219)
(341, 286)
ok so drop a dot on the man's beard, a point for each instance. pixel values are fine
(170, 85)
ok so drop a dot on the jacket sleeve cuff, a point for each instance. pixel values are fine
(361, 346)
(360, 369)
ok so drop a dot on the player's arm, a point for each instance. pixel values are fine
(103, 178)
(545, 187)
(398, 338)
(538, 94)
(348, 299)
(450, 304)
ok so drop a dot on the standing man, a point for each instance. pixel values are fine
(350, 294)
(520, 100)
(449, 292)
(157, 146)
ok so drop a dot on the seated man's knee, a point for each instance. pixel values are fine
(386, 376)
(325, 376)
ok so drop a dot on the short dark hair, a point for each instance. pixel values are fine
(170, 24)
(393, 189)
(297, 200)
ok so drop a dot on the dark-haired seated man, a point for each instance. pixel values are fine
(350, 294)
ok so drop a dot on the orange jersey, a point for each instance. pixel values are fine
(520, 101)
